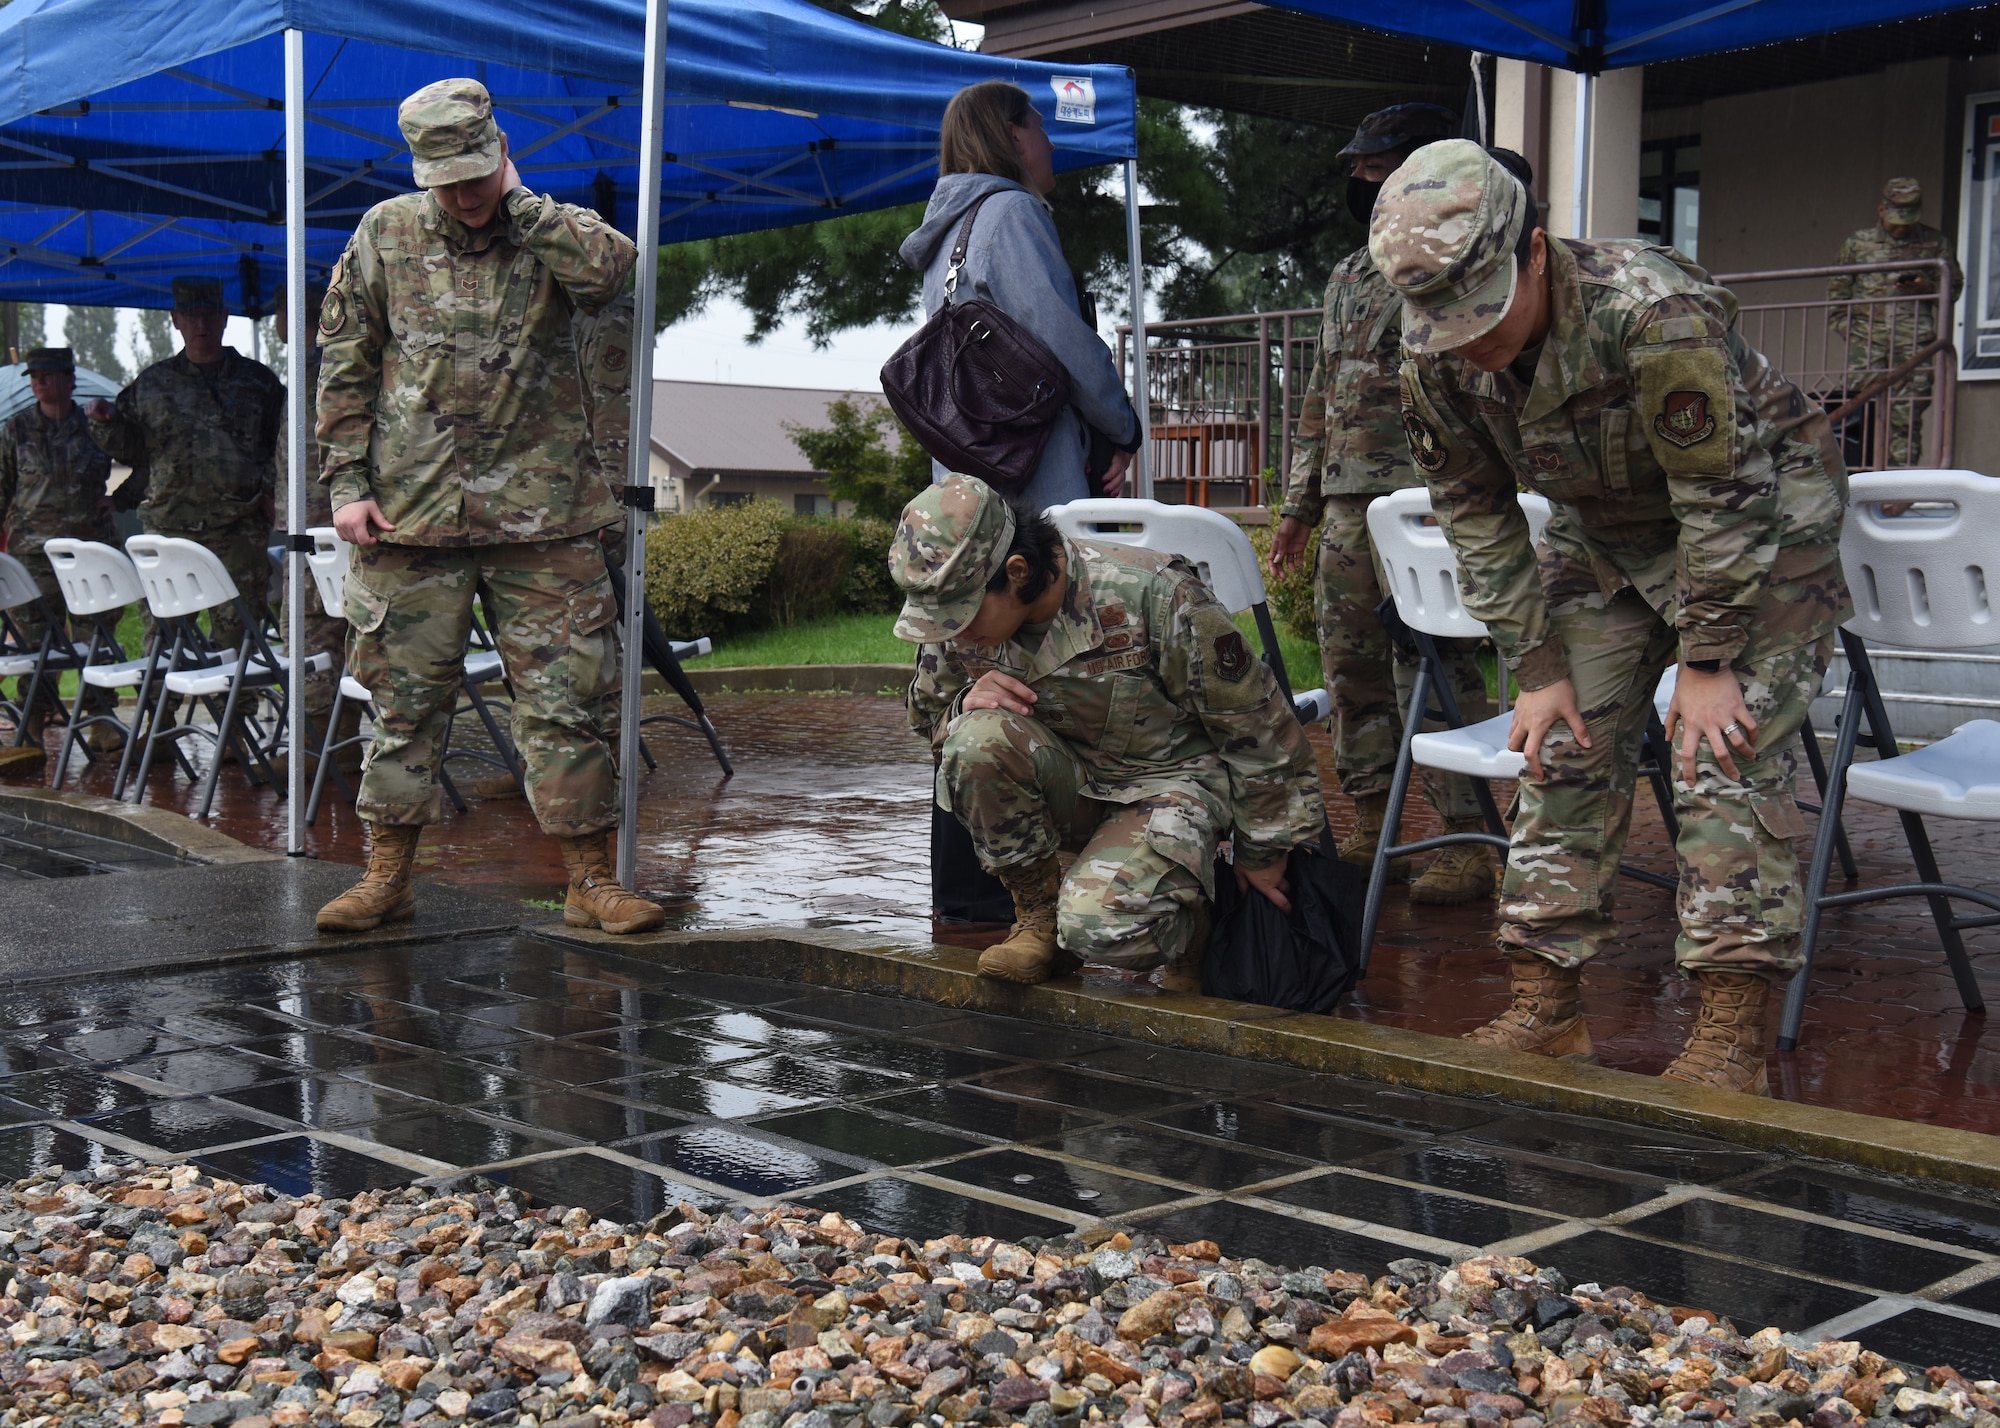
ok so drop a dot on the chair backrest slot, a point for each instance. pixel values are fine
(1916, 548)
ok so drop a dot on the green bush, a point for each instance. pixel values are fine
(809, 571)
(732, 570)
(869, 590)
(708, 571)
(1290, 595)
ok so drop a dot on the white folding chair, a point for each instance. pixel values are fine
(182, 579)
(38, 661)
(1923, 575)
(1217, 548)
(98, 584)
(328, 563)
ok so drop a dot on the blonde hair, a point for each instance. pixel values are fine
(974, 138)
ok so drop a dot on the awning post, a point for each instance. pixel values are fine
(296, 437)
(1580, 179)
(638, 475)
(1141, 398)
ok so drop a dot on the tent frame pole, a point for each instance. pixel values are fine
(296, 437)
(1142, 403)
(638, 476)
(1586, 84)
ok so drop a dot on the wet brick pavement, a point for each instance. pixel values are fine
(824, 824)
(593, 1079)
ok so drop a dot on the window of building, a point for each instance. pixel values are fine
(1670, 193)
(729, 498)
(805, 503)
(1979, 239)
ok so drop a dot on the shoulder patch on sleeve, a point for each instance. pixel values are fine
(1686, 403)
(1232, 656)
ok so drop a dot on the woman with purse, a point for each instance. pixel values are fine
(996, 163)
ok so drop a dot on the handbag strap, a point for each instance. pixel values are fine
(958, 247)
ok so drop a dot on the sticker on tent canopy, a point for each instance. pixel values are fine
(1076, 99)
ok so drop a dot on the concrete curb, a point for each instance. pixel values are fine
(790, 678)
(154, 829)
(946, 976)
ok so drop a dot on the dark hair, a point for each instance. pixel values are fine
(1038, 541)
(1524, 174)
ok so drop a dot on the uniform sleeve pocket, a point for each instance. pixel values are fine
(365, 606)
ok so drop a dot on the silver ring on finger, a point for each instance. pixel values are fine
(1731, 730)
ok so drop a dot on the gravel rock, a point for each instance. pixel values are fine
(151, 1297)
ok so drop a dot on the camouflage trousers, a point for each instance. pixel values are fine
(1368, 678)
(244, 551)
(409, 611)
(1129, 899)
(1909, 399)
(1740, 901)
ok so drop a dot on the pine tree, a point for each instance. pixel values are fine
(92, 333)
(154, 341)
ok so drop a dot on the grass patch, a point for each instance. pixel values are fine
(869, 639)
(837, 639)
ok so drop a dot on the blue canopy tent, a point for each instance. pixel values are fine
(196, 114)
(778, 112)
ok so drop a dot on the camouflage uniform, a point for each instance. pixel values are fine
(325, 632)
(1882, 333)
(1697, 509)
(52, 483)
(1156, 733)
(202, 444)
(1349, 449)
(451, 395)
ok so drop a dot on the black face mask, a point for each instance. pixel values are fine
(1361, 198)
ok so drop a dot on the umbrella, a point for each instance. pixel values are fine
(16, 396)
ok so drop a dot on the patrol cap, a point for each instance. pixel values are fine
(1902, 201)
(49, 359)
(199, 295)
(951, 540)
(1443, 234)
(1400, 126)
(451, 133)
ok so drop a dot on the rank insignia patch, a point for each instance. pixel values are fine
(1684, 418)
(1425, 448)
(1232, 656)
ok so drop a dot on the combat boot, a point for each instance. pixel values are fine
(1546, 1018)
(595, 897)
(385, 892)
(1359, 846)
(1029, 954)
(1464, 872)
(1183, 974)
(1726, 1048)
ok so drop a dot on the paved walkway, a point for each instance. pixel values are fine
(589, 1078)
(824, 825)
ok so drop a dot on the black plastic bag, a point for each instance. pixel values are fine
(1306, 960)
(961, 890)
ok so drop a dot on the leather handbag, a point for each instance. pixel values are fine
(977, 390)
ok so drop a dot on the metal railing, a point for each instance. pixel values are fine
(1226, 392)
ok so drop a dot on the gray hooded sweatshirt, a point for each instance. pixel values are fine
(1015, 261)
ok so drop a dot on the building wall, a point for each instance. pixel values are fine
(1786, 174)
